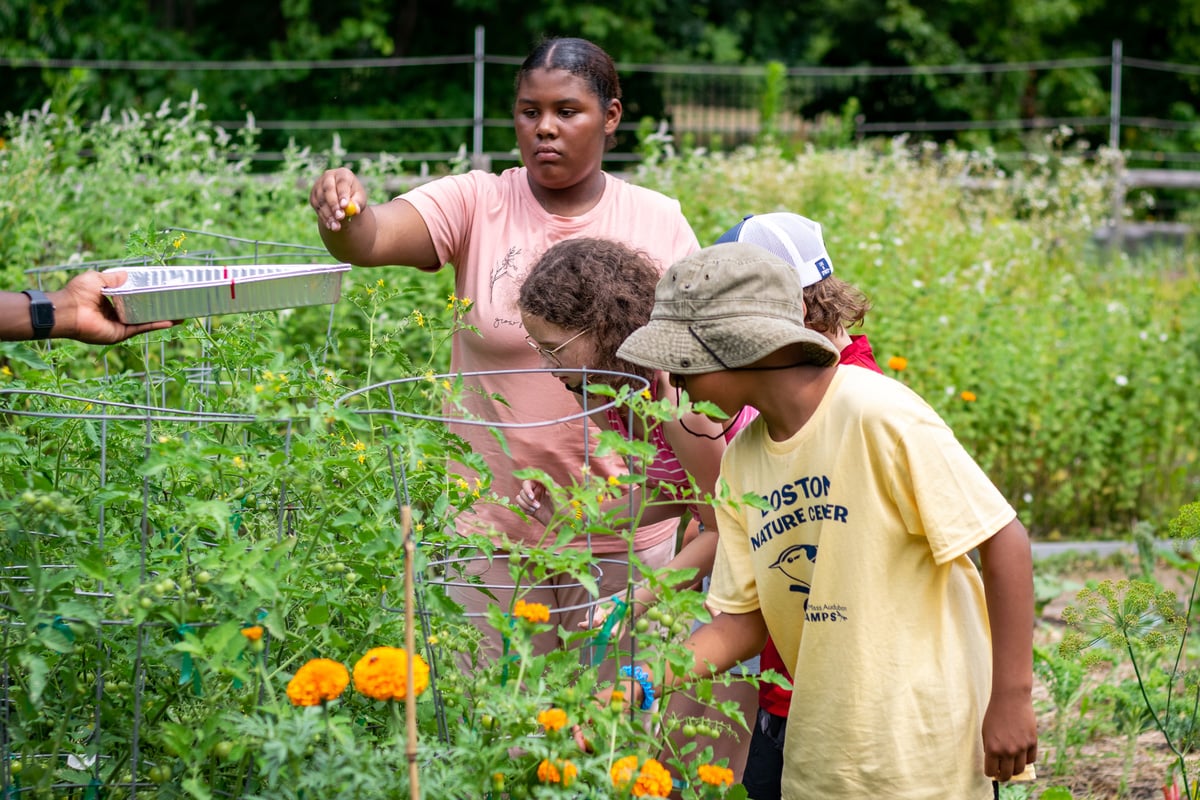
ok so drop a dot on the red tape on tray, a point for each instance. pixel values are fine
(232, 289)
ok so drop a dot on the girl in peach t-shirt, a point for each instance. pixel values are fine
(492, 228)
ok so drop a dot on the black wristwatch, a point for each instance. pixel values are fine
(41, 313)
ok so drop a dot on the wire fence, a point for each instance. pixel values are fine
(722, 106)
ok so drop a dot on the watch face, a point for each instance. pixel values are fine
(41, 313)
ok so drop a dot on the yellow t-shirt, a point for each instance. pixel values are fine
(860, 568)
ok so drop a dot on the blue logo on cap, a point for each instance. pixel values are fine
(823, 267)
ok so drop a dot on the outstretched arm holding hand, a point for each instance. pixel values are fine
(80, 312)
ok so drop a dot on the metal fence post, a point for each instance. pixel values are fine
(1114, 98)
(478, 159)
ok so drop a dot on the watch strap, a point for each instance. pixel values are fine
(41, 313)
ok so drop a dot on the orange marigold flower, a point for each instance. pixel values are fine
(319, 680)
(552, 719)
(898, 363)
(715, 776)
(617, 697)
(253, 633)
(383, 674)
(533, 612)
(563, 772)
(652, 780)
(968, 397)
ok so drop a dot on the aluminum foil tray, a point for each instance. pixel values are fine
(150, 294)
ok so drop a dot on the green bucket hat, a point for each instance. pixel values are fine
(725, 307)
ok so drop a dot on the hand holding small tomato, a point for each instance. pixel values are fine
(337, 196)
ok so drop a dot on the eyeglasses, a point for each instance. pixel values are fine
(551, 355)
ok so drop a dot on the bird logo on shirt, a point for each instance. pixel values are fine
(791, 562)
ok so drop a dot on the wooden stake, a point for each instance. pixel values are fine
(410, 706)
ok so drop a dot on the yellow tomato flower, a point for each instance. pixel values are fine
(383, 674)
(319, 680)
(898, 363)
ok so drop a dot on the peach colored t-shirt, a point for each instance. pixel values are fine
(492, 229)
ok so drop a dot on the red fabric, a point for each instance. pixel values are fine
(771, 698)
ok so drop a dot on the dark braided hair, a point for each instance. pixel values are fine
(581, 58)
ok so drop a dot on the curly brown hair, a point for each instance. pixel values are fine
(832, 303)
(597, 285)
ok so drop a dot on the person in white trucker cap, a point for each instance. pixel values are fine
(913, 668)
(833, 307)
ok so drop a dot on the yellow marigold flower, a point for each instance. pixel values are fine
(563, 772)
(715, 776)
(968, 397)
(255, 632)
(319, 680)
(383, 674)
(898, 363)
(533, 612)
(652, 781)
(617, 697)
(552, 719)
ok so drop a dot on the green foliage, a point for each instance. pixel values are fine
(182, 538)
(1139, 621)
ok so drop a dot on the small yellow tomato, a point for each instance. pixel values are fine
(351, 208)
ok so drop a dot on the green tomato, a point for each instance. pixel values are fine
(222, 749)
(16, 767)
(203, 577)
(642, 625)
(667, 619)
(689, 729)
(653, 614)
(147, 602)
